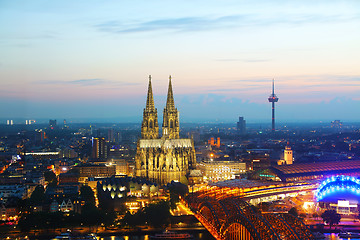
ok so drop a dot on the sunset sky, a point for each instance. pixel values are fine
(91, 59)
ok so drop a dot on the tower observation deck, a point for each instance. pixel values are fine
(273, 99)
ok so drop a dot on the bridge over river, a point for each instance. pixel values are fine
(227, 213)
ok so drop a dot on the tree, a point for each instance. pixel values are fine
(158, 214)
(38, 195)
(90, 215)
(24, 223)
(87, 194)
(331, 217)
(24, 205)
(293, 211)
(108, 217)
(50, 176)
(121, 209)
(174, 198)
(264, 206)
(155, 214)
(133, 220)
(176, 189)
(255, 209)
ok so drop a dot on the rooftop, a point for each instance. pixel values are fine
(318, 167)
(166, 143)
(244, 183)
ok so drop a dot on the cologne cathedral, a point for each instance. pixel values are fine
(166, 158)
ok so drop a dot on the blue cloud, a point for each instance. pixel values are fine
(87, 82)
(230, 21)
(242, 60)
(174, 24)
(260, 80)
(83, 82)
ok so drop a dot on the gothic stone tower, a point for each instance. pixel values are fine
(170, 127)
(167, 158)
(150, 126)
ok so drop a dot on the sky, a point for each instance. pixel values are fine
(91, 59)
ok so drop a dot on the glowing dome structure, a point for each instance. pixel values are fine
(338, 185)
(114, 191)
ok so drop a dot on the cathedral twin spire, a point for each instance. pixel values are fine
(170, 127)
(150, 126)
(170, 97)
(150, 106)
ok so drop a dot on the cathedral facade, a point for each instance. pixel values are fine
(166, 158)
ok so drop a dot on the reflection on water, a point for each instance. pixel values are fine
(331, 236)
(200, 235)
(334, 236)
(197, 236)
(135, 237)
(205, 236)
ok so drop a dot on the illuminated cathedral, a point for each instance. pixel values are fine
(166, 158)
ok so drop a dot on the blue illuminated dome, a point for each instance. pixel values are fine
(339, 187)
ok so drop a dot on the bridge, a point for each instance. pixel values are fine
(255, 192)
(227, 216)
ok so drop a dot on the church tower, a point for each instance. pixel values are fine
(288, 154)
(150, 126)
(170, 127)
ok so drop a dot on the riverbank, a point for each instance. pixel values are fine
(50, 234)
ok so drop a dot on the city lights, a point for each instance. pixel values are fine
(338, 184)
(85, 153)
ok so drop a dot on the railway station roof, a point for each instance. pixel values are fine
(312, 170)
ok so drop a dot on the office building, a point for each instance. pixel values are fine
(241, 125)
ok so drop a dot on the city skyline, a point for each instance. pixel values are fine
(91, 59)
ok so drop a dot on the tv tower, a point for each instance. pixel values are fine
(273, 99)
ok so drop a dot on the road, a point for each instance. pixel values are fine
(180, 210)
